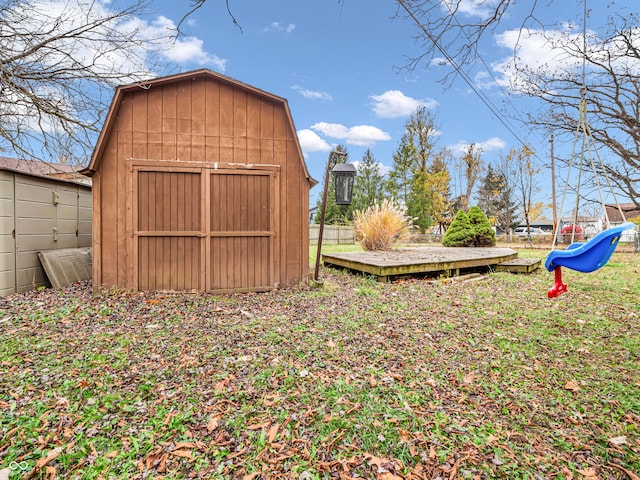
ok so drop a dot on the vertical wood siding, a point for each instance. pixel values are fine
(241, 232)
(168, 231)
(216, 124)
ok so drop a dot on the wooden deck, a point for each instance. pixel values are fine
(432, 261)
(519, 265)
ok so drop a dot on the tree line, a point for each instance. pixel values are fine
(422, 175)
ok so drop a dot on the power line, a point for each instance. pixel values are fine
(464, 75)
(488, 69)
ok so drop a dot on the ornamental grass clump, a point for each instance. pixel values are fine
(382, 225)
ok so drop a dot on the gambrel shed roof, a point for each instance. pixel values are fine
(192, 75)
(199, 184)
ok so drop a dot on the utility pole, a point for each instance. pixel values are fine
(553, 188)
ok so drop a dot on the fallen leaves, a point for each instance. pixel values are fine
(572, 386)
(160, 456)
(617, 441)
(223, 384)
(214, 422)
(273, 432)
(418, 380)
(50, 472)
(385, 469)
(589, 474)
(629, 473)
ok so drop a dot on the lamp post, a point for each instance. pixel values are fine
(343, 174)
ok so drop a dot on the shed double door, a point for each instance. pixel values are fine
(203, 229)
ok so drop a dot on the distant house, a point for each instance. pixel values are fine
(630, 211)
(591, 226)
(313, 211)
(546, 225)
(42, 207)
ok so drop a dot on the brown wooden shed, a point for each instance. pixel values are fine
(199, 184)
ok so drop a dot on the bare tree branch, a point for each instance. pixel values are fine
(59, 63)
(613, 99)
(197, 4)
(447, 29)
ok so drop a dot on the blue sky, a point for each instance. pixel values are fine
(340, 66)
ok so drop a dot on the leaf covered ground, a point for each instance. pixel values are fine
(417, 379)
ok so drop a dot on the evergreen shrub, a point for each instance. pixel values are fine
(460, 233)
(483, 233)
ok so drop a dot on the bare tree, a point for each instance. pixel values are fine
(610, 87)
(59, 62)
(523, 172)
(446, 32)
(466, 169)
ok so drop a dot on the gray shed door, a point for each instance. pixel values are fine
(7, 240)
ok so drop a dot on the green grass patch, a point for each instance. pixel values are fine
(418, 378)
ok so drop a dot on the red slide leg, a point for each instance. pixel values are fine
(558, 287)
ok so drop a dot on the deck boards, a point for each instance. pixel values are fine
(434, 261)
(519, 265)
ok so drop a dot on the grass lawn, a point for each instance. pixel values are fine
(418, 379)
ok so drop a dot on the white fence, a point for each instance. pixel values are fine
(345, 235)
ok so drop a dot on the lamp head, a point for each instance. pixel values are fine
(343, 177)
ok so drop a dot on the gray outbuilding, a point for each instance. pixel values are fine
(38, 212)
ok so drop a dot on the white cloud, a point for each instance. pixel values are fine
(186, 49)
(484, 81)
(335, 130)
(310, 142)
(493, 143)
(472, 8)
(189, 50)
(440, 62)
(311, 94)
(360, 135)
(394, 104)
(537, 49)
(279, 27)
(382, 168)
(556, 52)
